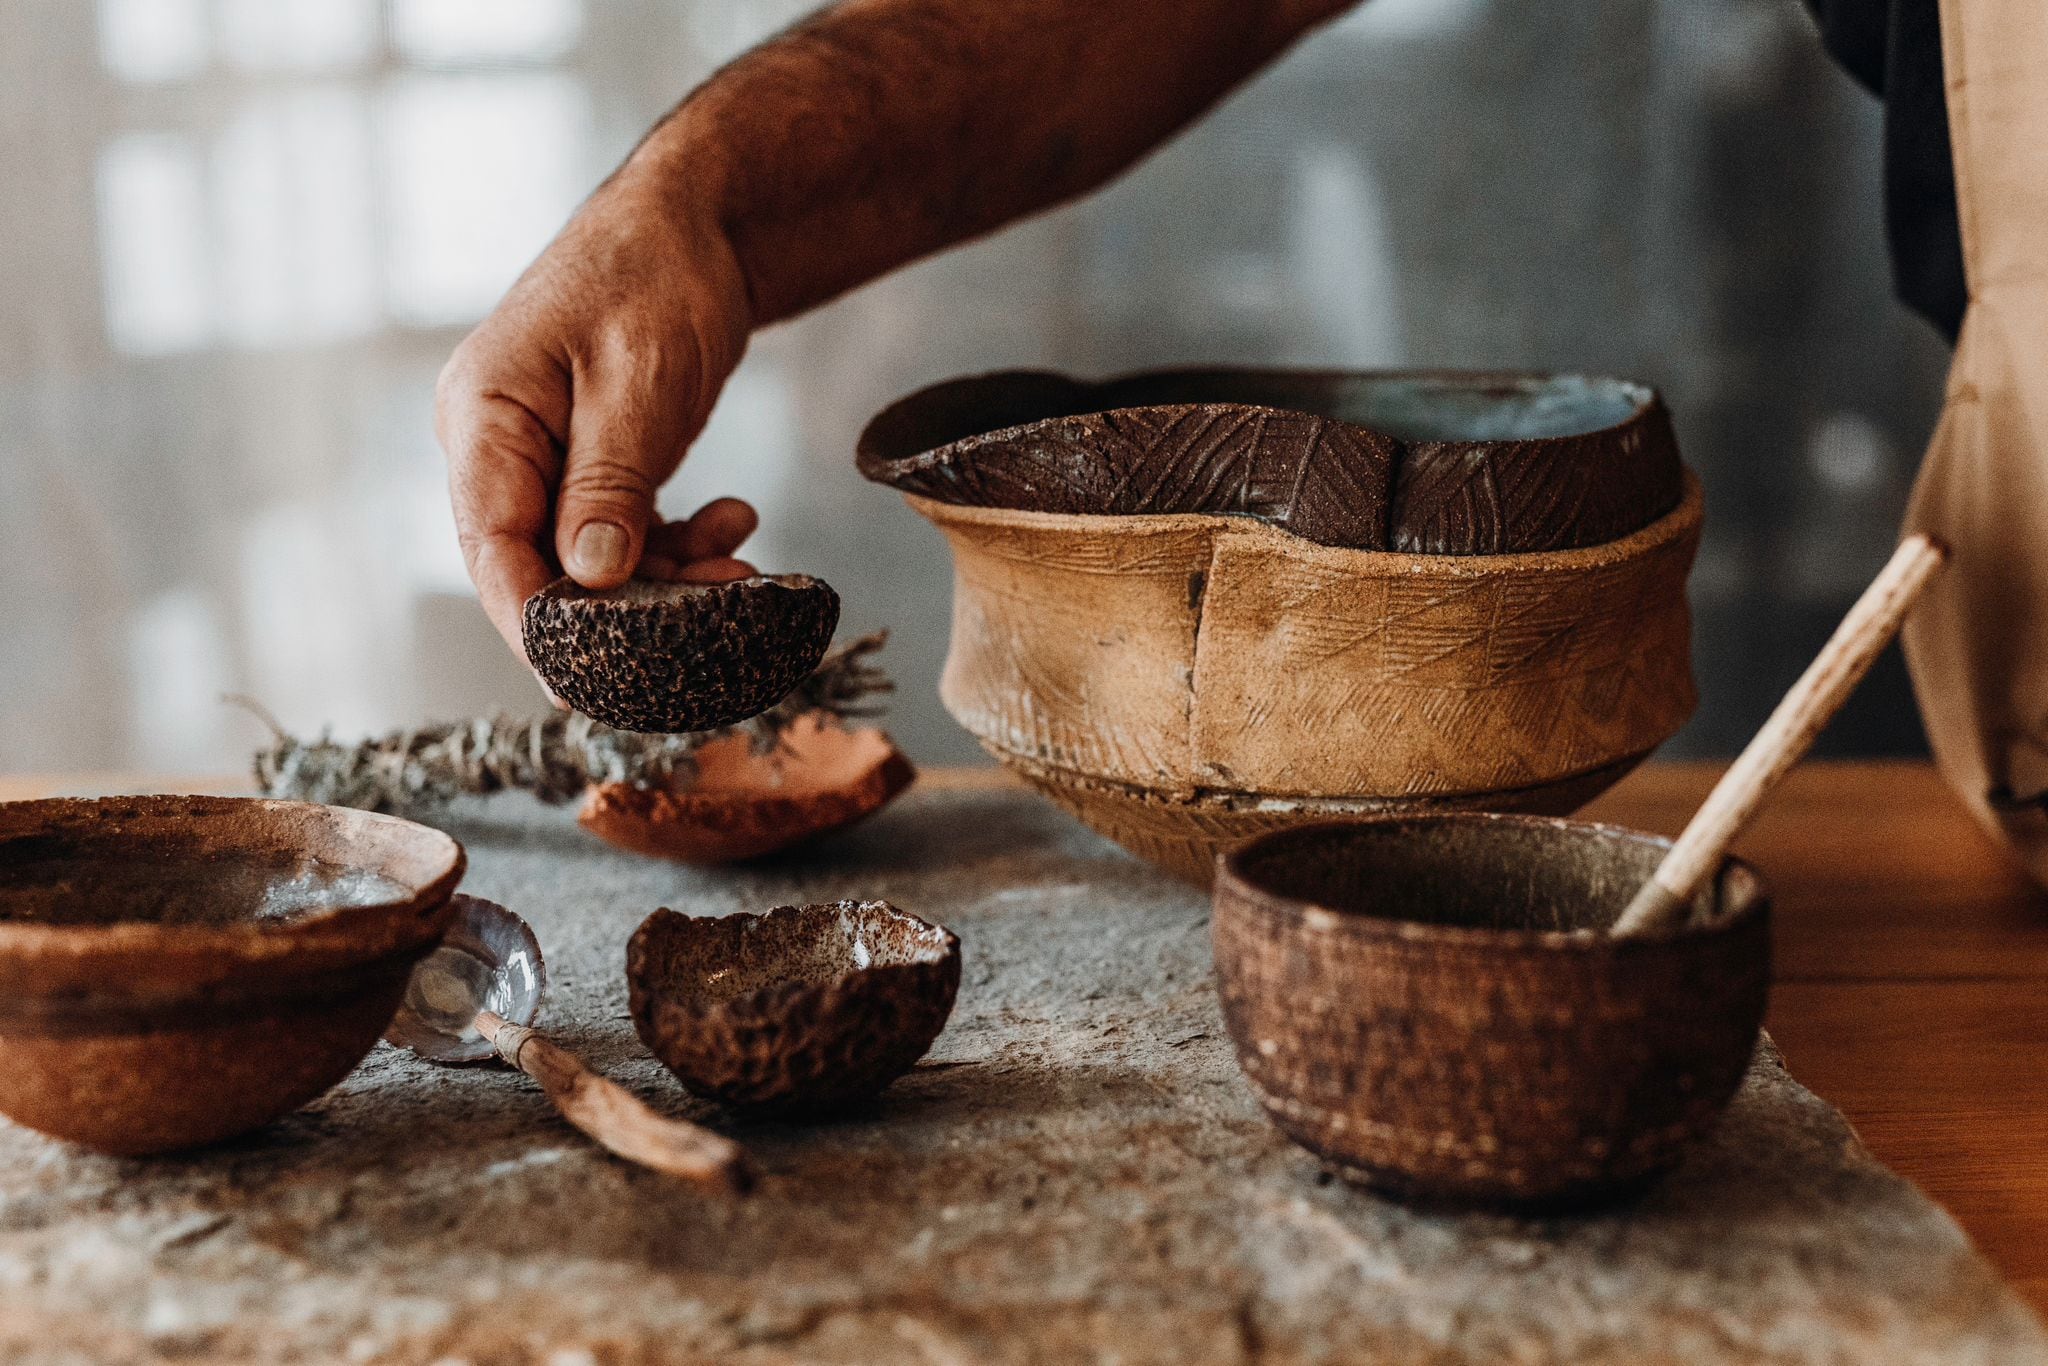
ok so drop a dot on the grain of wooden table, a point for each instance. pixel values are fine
(1912, 973)
(1912, 982)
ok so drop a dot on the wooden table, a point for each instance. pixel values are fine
(1912, 982)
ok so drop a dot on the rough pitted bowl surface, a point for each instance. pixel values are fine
(1432, 1005)
(178, 970)
(675, 657)
(800, 1010)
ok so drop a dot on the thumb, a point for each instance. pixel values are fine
(625, 438)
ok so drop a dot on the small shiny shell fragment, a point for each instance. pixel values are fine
(801, 1010)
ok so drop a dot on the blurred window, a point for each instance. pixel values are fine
(299, 35)
(146, 41)
(343, 167)
(153, 244)
(470, 31)
(478, 173)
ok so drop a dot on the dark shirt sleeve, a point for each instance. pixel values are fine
(1893, 47)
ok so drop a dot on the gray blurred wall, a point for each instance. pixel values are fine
(240, 238)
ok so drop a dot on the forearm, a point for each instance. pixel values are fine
(866, 137)
(881, 130)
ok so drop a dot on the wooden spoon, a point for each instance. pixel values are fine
(455, 1011)
(1664, 901)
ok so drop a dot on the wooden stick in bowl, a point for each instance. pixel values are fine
(1665, 899)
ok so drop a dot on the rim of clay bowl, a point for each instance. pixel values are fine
(119, 959)
(1233, 878)
(1680, 521)
(776, 994)
(1036, 439)
(875, 462)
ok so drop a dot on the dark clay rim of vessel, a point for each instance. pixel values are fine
(1429, 423)
(96, 956)
(649, 593)
(901, 433)
(1233, 880)
(684, 994)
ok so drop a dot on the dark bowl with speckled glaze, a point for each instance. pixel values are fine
(798, 1011)
(667, 658)
(178, 970)
(1433, 1006)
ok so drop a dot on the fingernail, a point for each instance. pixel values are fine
(601, 548)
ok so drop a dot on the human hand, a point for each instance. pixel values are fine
(567, 408)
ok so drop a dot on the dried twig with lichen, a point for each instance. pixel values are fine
(554, 757)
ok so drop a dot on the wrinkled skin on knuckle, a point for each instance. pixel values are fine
(639, 399)
(495, 367)
(607, 485)
(454, 392)
(504, 447)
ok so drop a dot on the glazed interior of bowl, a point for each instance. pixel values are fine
(1476, 872)
(712, 961)
(180, 883)
(207, 863)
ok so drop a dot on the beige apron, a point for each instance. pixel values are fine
(1978, 643)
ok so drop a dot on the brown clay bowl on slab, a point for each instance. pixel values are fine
(737, 803)
(178, 970)
(1431, 1004)
(802, 1010)
(1192, 607)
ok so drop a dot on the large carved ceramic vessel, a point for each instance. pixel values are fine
(1194, 606)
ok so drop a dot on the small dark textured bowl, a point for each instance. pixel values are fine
(1432, 1005)
(179, 970)
(798, 1011)
(674, 657)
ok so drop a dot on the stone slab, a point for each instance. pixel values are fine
(1077, 1173)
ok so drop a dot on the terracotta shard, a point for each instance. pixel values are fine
(802, 1010)
(670, 658)
(739, 804)
(179, 970)
(1431, 1003)
(1429, 462)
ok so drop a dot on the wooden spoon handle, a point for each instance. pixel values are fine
(616, 1118)
(1786, 736)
